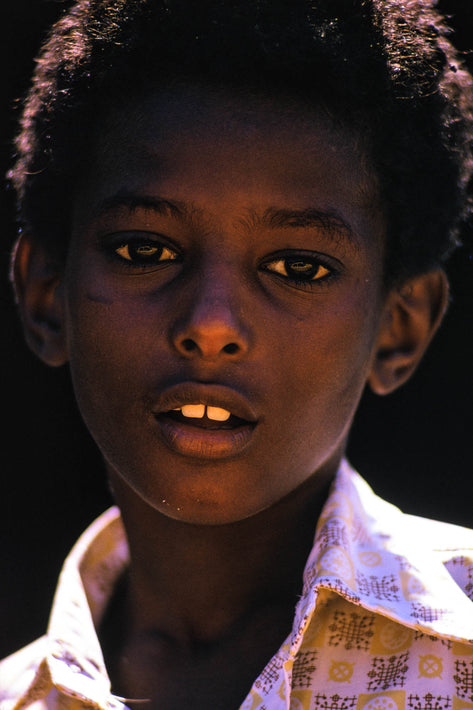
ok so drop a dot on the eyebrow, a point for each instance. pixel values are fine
(333, 226)
(134, 201)
(331, 223)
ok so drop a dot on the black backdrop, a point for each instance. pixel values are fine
(413, 447)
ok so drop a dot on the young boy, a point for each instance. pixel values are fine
(234, 217)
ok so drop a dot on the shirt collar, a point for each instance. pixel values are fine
(372, 554)
(86, 584)
(365, 550)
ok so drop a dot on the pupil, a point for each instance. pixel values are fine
(145, 250)
(301, 268)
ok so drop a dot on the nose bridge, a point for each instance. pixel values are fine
(214, 304)
(212, 324)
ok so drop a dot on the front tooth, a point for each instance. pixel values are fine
(218, 414)
(195, 411)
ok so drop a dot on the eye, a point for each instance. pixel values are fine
(299, 268)
(144, 252)
(138, 250)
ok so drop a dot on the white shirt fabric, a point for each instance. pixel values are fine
(384, 621)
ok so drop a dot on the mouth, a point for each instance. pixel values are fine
(205, 421)
(205, 417)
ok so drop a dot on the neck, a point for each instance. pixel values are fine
(197, 583)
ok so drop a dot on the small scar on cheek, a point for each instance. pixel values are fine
(98, 299)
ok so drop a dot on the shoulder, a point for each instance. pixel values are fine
(420, 541)
(441, 536)
(450, 544)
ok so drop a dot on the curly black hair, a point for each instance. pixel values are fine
(385, 68)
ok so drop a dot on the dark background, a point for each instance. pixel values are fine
(413, 446)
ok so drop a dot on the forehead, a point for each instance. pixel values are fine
(217, 152)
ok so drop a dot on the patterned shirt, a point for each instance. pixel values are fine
(384, 621)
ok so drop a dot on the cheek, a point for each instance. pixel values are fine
(339, 338)
(331, 358)
(103, 353)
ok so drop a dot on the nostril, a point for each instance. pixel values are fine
(189, 345)
(230, 348)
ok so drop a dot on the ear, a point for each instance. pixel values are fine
(412, 314)
(39, 291)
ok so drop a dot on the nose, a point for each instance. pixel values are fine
(211, 327)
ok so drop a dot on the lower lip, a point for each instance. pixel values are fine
(189, 440)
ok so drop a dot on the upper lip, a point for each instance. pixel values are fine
(213, 395)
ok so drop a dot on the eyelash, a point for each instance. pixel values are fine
(310, 265)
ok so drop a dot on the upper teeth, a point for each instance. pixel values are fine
(197, 411)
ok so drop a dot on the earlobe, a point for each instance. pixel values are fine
(412, 314)
(38, 288)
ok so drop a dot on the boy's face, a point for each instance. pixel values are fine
(225, 254)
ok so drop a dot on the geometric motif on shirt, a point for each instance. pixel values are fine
(382, 588)
(403, 563)
(411, 586)
(430, 666)
(429, 702)
(352, 629)
(303, 669)
(370, 558)
(426, 613)
(336, 561)
(391, 700)
(270, 674)
(334, 532)
(340, 671)
(464, 679)
(388, 672)
(334, 702)
(390, 637)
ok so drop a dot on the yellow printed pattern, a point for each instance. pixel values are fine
(368, 638)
